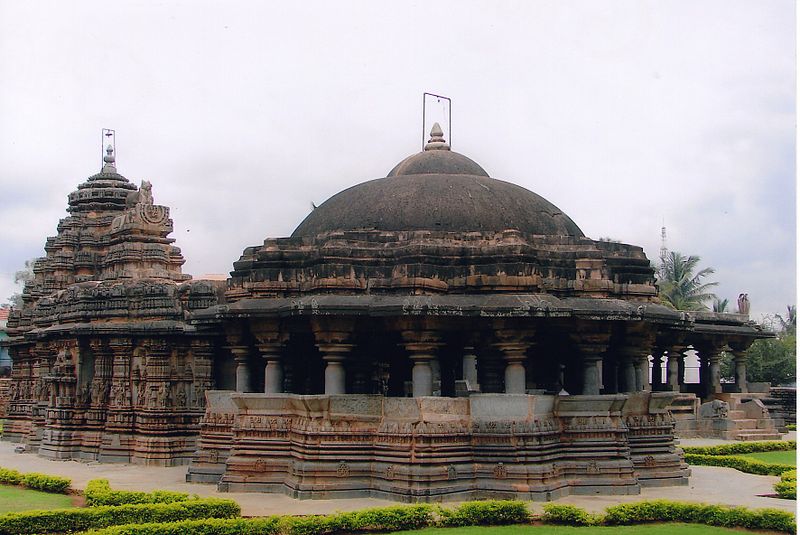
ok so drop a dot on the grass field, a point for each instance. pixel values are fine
(644, 529)
(19, 499)
(779, 457)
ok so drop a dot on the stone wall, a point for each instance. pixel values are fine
(433, 449)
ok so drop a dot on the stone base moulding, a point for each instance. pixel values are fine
(429, 449)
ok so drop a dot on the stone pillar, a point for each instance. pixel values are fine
(240, 354)
(628, 374)
(591, 375)
(642, 369)
(333, 335)
(273, 371)
(103, 367)
(514, 356)
(513, 344)
(714, 384)
(122, 351)
(203, 358)
(706, 349)
(469, 368)
(674, 355)
(740, 363)
(422, 354)
(702, 359)
(592, 344)
(335, 378)
(658, 355)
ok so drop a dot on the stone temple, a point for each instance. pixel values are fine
(436, 334)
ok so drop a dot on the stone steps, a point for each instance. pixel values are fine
(755, 436)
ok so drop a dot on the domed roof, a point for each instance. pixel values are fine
(439, 190)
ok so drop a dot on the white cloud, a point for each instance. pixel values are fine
(622, 113)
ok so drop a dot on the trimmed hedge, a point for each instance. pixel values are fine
(35, 480)
(98, 492)
(488, 513)
(209, 526)
(472, 513)
(570, 515)
(750, 466)
(712, 515)
(791, 427)
(81, 519)
(396, 518)
(742, 447)
(787, 486)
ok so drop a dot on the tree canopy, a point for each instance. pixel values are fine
(681, 285)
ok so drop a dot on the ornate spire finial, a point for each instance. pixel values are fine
(437, 142)
(109, 158)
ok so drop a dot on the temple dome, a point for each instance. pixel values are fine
(106, 190)
(439, 190)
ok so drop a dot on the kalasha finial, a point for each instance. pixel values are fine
(109, 157)
(108, 139)
(437, 142)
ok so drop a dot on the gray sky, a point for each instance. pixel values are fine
(624, 114)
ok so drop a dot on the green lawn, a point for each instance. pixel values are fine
(643, 529)
(778, 457)
(19, 499)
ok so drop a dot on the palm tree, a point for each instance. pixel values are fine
(719, 305)
(789, 324)
(680, 286)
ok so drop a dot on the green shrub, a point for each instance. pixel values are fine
(791, 427)
(36, 481)
(750, 466)
(571, 515)
(46, 483)
(63, 520)
(395, 518)
(418, 516)
(488, 513)
(98, 492)
(698, 513)
(787, 486)
(742, 447)
(10, 477)
(209, 526)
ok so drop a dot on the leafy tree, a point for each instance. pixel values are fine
(772, 360)
(681, 285)
(22, 277)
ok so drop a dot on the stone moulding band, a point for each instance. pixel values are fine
(433, 448)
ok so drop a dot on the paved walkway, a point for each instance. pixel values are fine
(707, 484)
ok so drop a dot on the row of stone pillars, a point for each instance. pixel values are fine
(514, 346)
(422, 353)
(710, 375)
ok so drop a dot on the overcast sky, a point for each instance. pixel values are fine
(624, 114)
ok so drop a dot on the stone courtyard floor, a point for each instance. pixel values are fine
(707, 484)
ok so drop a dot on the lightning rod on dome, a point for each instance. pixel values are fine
(439, 98)
(108, 140)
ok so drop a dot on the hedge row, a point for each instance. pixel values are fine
(742, 447)
(397, 518)
(81, 519)
(668, 511)
(98, 492)
(791, 427)
(34, 480)
(787, 486)
(743, 464)
(471, 514)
